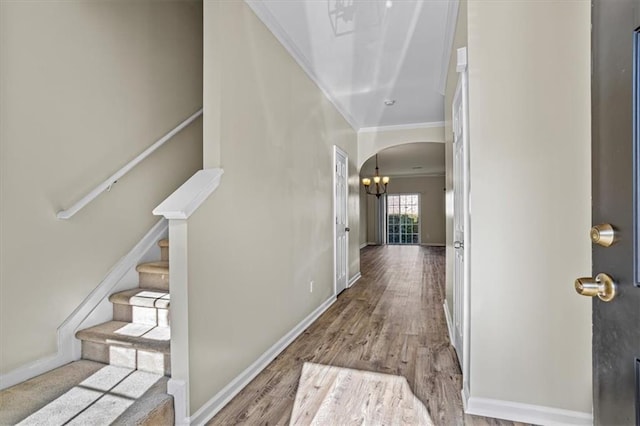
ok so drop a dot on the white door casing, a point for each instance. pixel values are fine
(461, 218)
(341, 225)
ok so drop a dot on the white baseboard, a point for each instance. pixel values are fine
(449, 322)
(363, 245)
(371, 243)
(219, 400)
(526, 413)
(68, 347)
(353, 279)
(178, 389)
(465, 398)
(433, 244)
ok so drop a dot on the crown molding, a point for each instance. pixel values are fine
(449, 35)
(417, 175)
(410, 126)
(264, 14)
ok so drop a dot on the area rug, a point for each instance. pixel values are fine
(330, 395)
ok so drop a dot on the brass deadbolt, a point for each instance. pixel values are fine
(602, 286)
(603, 235)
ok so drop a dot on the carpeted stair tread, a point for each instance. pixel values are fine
(23, 399)
(154, 408)
(143, 297)
(137, 336)
(163, 243)
(86, 392)
(160, 267)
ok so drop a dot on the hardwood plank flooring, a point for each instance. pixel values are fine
(391, 321)
(329, 395)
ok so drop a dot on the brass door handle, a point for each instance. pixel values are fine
(458, 244)
(602, 286)
(603, 235)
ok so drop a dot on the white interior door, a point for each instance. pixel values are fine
(461, 220)
(341, 228)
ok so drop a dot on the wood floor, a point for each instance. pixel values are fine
(391, 321)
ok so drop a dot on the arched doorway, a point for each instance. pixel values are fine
(412, 211)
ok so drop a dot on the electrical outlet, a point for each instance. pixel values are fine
(310, 286)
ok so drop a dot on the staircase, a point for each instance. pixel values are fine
(139, 335)
(122, 377)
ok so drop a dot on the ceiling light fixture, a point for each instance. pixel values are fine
(388, 4)
(390, 102)
(381, 183)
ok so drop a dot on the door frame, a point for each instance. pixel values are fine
(337, 150)
(462, 89)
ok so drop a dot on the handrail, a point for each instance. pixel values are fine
(106, 185)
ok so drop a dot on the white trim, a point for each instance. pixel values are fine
(464, 74)
(462, 64)
(408, 126)
(363, 245)
(465, 397)
(449, 35)
(417, 175)
(178, 389)
(68, 347)
(449, 322)
(105, 185)
(353, 279)
(264, 14)
(433, 244)
(219, 400)
(526, 413)
(462, 341)
(186, 199)
(179, 311)
(337, 150)
(372, 243)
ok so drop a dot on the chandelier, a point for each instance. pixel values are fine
(380, 183)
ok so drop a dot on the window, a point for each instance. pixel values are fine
(403, 219)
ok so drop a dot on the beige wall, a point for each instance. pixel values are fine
(248, 279)
(95, 85)
(529, 68)
(432, 219)
(459, 40)
(371, 142)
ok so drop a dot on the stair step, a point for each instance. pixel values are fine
(164, 249)
(154, 275)
(142, 346)
(86, 392)
(142, 297)
(141, 306)
(20, 401)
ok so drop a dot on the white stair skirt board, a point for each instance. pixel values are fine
(449, 324)
(90, 312)
(525, 413)
(353, 279)
(177, 388)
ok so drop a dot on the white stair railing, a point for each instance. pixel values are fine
(106, 185)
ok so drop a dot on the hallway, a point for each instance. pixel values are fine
(391, 321)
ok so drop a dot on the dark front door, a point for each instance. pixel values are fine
(615, 151)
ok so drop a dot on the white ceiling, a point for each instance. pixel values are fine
(361, 52)
(411, 159)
